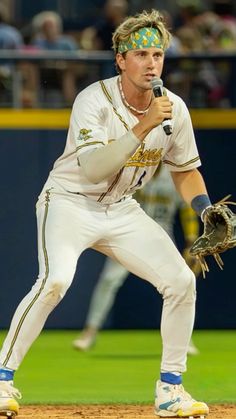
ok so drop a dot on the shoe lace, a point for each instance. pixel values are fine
(8, 388)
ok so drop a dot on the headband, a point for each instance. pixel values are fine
(143, 38)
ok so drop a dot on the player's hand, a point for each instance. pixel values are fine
(160, 109)
(192, 262)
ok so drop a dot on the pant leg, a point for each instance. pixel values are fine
(110, 280)
(63, 234)
(146, 250)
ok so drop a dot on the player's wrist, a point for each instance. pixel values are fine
(134, 137)
(142, 129)
(203, 212)
(200, 203)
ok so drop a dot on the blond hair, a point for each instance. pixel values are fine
(153, 19)
(39, 20)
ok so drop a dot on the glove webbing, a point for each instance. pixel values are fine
(219, 261)
(204, 265)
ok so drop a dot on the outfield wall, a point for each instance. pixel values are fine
(30, 141)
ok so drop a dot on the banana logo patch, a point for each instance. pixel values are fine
(84, 134)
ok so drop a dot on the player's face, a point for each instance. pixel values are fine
(140, 66)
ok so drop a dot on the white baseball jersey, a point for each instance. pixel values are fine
(98, 117)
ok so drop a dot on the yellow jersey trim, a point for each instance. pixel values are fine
(183, 164)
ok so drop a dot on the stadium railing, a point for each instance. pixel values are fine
(202, 80)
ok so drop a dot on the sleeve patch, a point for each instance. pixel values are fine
(84, 134)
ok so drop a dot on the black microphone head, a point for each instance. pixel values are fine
(156, 83)
(157, 86)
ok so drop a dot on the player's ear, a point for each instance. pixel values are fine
(120, 60)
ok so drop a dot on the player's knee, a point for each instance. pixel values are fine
(186, 286)
(183, 288)
(53, 291)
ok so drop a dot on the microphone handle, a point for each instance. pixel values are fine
(166, 124)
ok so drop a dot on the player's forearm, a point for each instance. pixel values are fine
(104, 162)
(142, 129)
(189, 184)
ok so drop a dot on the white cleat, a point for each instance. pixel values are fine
(85, 342)
(8, 414)
(8, 405)
(192, 349)
(172, 401)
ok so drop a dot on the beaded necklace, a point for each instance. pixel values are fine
(132, 108)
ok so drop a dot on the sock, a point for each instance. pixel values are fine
(171, 378)
(6, 374)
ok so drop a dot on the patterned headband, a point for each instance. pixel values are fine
(143, 38)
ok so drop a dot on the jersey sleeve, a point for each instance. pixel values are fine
(88, 123)
(182, 154)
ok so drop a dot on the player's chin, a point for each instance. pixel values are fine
(146, 83)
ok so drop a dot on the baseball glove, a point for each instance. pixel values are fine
(219, 234)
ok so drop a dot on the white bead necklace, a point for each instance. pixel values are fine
(132, 108)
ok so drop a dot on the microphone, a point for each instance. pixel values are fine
(157, 87)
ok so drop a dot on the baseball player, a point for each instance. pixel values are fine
(160, 200)
(114, 145)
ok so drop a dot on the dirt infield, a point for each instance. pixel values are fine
(111, 412)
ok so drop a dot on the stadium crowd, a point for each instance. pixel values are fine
(199, 29)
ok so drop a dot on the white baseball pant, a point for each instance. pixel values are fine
(67, 225)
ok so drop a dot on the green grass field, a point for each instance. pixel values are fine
(122, 368)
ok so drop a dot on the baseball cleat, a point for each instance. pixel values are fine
(8, 414)
(84, 343)
(8, 405)
(172, 401)
(192, 349)
(200, 417)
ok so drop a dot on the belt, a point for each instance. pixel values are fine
(120, 200)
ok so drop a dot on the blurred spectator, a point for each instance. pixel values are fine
(187, 32)
(98, 37)
(187, 10)
(203, 82)
(48, 35)
(47, 27)
(181, 78)
(175, 47)
(218, 34)
(190, 39)
(204, 23)
(224, 36)
(10, 38)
